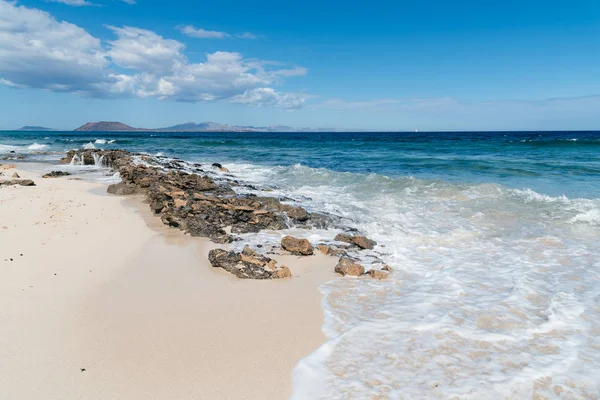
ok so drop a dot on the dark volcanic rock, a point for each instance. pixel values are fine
(245, 266)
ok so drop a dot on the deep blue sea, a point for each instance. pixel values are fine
(494, 238)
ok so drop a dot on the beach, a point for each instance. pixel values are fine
(473, 263)
(98, 299)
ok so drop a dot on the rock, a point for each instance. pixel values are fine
(247, 266)
(363, 242)
(387, 268)
(323, 248)
(296, 213)
(249, 252)
(342, 237)
(296, 246)
(15, 175)
(178, 203)
(347, 266)
(222, 239)
(377, 274)
(283, 272)
(26, 182)
(220, 167)
(56, 174)
(121, 189)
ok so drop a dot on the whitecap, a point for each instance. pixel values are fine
(88, 146)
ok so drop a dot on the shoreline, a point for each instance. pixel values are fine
(141, 311)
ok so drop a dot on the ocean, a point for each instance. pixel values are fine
(494, 238)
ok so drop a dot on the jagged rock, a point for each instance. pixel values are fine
(15, 175)
(296, 246)
(347, 266)
(377, 274)
(56, 174)
(121, 189)
(387, 268)
(247, 266)
(220, 167)
(249, 252)
(363, 242)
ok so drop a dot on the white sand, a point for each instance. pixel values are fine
(103, 286)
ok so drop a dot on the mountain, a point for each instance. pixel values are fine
(104, 126)
(198, 127)
(35, 128)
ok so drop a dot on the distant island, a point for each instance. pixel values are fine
(105, 126)
(35, 128)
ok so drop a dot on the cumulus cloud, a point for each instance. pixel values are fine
(37, 51)
(200, 33)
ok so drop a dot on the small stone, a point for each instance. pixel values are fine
(15, 175)
(387, 268)
(283, 272)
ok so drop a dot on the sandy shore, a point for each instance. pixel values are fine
(98, 300)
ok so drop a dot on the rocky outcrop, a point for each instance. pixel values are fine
(20, 182)
(248, 264)
(361, 241)
(300, 247)
(56, 174)
(347, 266)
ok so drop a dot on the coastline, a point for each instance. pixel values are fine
(104, 286)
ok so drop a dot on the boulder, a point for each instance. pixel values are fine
(296, 246)
(247, 266)
(15, 175)
(363, 242)
(26, 182)
(387, 268)
(347, 266)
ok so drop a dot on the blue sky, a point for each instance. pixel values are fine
(402, 65)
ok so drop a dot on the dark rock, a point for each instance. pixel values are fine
(296, 246)
(247, 266)
(56, 174)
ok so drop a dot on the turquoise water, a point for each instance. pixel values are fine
(493, 238)
(551, 163)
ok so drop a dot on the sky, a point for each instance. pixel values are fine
(377, 65)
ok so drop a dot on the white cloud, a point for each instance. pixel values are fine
(200, 33)
(144, 50)
(268, 97)
(37, 51)
(76, 3)
(129, 1)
